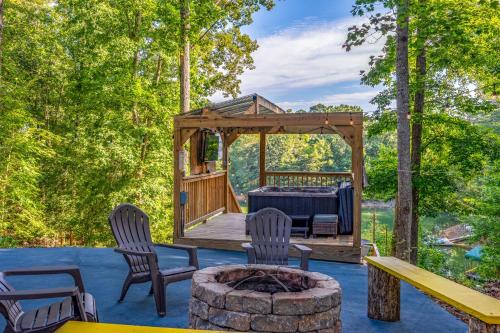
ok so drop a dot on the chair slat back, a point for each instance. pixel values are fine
(130, 227)
(270, 230)
(11, 310)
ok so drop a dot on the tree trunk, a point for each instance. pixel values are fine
(184, 58)
(1, 36)
(157, 76)
(416, 154)
(383, 295)
(135, 63)
(403, 214)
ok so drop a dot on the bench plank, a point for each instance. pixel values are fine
(88, 327)
(478, 305)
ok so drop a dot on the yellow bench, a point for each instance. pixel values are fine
(86, 327)
(384, 274)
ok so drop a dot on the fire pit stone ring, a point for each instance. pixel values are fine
(264, 298)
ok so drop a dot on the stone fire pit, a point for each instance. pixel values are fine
(262, 298)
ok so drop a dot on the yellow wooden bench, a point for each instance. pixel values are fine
(86, 327)
(384, 274)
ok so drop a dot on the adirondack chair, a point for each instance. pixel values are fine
(130, 227)
(270, 230)
(76, 304)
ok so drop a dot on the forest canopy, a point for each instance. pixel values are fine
(87, 94)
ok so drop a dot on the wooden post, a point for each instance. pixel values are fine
(225, 149)
(357, 169)
(383, 295)
(178, 232)
(195, 166)
(374, 227)
(262, 159)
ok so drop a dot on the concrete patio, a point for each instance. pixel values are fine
(103, 273)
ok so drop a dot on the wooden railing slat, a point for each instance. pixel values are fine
(299, 178)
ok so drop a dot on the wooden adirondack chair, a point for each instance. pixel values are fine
(270, 229)
(130, 227)
(76, 304)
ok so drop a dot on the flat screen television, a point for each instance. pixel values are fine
(209, 146)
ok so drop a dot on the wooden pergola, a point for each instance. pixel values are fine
(207, 192)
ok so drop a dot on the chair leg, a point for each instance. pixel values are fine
(126, 285)
(151, 291)
(8, 329)
(159, 294)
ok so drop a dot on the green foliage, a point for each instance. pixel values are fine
(485, 221)
(289, 152)
(382, 174)
(454, 153)
(384, 219)
(88, 91)
(431, 258)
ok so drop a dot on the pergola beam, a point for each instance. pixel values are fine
(346, 132)
(267, 120)
(186, 134)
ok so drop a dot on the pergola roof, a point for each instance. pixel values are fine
(255, 114)
(241, 105)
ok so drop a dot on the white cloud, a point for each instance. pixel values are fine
(307, 55)
(361, 99)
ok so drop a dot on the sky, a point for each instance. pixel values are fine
(300, 61)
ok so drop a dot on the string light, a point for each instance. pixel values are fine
(326, 120)
(350, 117)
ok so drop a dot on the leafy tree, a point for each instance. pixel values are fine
(89, 89)
(452, 45)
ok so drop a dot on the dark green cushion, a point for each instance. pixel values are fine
(325, 218)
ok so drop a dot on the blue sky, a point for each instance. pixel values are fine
(300, 61)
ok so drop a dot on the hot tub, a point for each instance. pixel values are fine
(307, 200)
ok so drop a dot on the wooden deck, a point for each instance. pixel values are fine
(227, 232)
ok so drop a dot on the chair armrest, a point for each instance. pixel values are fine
(72, 270)
(250, 252)
(305, 252)
(302, 248)
(191, 250)
(39, 293)
(150, 257)
(247, 246)
(177, 246)
(133, 253)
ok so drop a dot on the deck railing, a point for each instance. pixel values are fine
(233, 205)
(299, 178)
(205, 196)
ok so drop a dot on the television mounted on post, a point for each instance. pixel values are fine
(209, 146)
